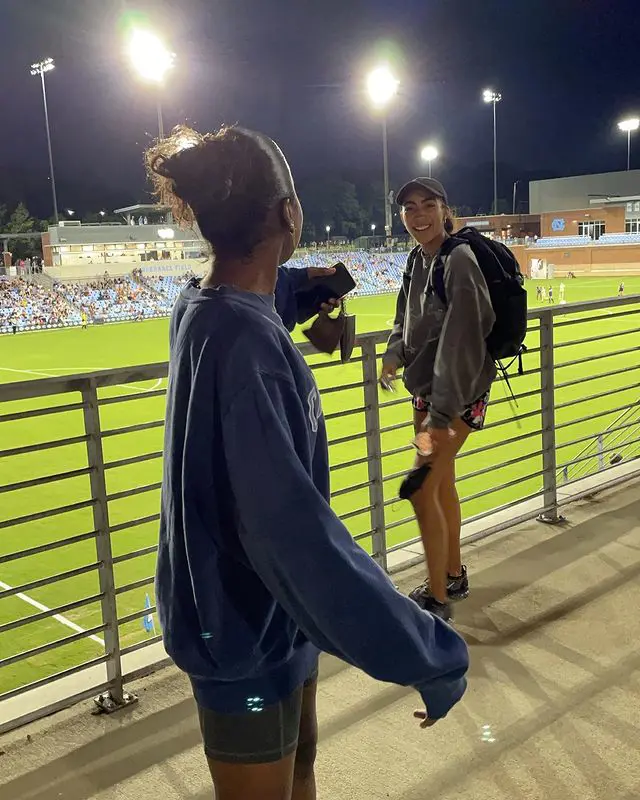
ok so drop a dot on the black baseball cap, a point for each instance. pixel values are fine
(431, 185)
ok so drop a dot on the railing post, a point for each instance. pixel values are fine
(115, 697)
(547, 390)
(601, 464)
(374, 450)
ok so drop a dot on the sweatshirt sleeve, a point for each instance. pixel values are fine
(462, 350)
(395, 343)
(343, 602)
(290, 281)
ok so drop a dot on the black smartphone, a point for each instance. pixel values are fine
(333, 286)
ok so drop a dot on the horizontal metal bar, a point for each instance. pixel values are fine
(349, 489)
(600, 318)
(588, 418)
(46, 648)
(143, 551)
(588, 437)
(502, 486)
(601, 487)
(345, 464)
(142, 426)
(351, 438)
(407, 543)
(398, 426)
(399, 401)
(43, 387)
(397, 450)
(37, 448)
(41, 412)
(587, 359)
(597, 453)
(137, 615)
(501, 465)
(597, 396)
(348, 413)
(124, 398)
(132, 648)
(44, 548)
(608, 374)
(599, 338)
(514, 418)
(360, 536)
(60, 576)
(335, 363)
(343, 388)
(65, 673)
(398, 523)
(129, 587)
(356, 513)
(44, 479)
(133, 523)
(51, 512)
(125, 462)
(495, 445)
(149, 487)
(19, 623)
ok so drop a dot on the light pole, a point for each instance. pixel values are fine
(152, 60)
(429, 153)
(328, 230)
(489, 96)
(515, 190)
(628, 126)
(382, 87)
(39, 68)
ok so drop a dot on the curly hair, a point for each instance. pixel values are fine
(225, 182)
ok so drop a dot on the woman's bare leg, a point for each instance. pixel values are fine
(272, 781)
(304, 779)
(450, 503)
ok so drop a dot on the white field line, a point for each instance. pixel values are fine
(50, 373)
(58, 617)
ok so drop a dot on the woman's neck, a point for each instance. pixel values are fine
(247, 276)
(432, 247)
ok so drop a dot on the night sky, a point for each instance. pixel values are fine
(567, 69)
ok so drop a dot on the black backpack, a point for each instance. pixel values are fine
(506, 287)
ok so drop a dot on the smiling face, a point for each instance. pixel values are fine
(424, 217)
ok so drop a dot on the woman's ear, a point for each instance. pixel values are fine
(287, 215)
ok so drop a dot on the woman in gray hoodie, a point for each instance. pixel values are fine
(443, 317)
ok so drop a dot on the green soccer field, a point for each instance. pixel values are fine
(54, 353)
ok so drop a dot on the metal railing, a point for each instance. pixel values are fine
(80, 474)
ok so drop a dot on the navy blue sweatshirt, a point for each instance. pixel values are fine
(256, 573)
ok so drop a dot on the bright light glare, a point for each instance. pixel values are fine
(149, 56)
(429, 153)
(166, 233)
(629, 124)
(489, 96)
(382, 86)
(328, 229)
(373, 226)
(70, 212)
(42, 66)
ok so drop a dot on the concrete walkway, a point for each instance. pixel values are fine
(551, 714)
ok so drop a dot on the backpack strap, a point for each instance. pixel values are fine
(437, 272)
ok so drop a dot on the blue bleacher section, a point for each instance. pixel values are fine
(619, 238)
(26, 306)
(564, 241)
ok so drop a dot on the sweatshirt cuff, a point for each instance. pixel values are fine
(440, 698)
(437, 419)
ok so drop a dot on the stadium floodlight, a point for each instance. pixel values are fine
(102, 213)
(382, 87)
(489, 96)
(152, 60)
(628, 126)
(70, 212)
(373, 228)
(41, 68)
(429, 153)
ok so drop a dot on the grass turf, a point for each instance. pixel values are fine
(514, 475)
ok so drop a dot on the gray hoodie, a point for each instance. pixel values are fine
(442, 347)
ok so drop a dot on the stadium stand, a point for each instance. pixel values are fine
(564, 241)
(30, 306)
(619, 238)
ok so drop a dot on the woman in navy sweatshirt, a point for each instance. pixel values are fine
(256, 574)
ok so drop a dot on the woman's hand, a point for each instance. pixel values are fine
(324, 272)
(388, 374)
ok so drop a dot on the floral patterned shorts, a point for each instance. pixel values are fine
(473, 415)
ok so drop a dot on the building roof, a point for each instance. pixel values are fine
(142, 208)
